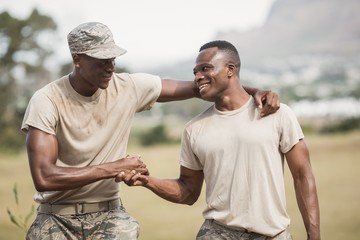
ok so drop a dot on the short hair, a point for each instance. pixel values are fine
(227, 47)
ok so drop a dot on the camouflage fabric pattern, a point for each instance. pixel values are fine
(212, 231)
(114, 224)
(95, 40)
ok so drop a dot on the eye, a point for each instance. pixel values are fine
(102, 63)
(206, 68)
(203, 69)
(105, 62)
(113, 62)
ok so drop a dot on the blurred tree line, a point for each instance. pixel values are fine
(23, 52)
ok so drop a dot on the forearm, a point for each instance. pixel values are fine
(54, 178)
(307, 199)
(172, 190)
(250, 90)
(174, 90)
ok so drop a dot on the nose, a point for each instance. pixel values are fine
(110, 65)
(198, 77)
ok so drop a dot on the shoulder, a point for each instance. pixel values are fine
(285, 110)
(200, 119)
(284, 107)
(51, 89)
(136, 77)
(139, 81)
(286, 117)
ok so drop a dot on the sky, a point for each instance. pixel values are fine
(154, 32)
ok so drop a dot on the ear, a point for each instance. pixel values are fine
(76, 60)
(231, 68)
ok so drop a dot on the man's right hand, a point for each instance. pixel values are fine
(133, 178)
(129, 163)
(131, 166)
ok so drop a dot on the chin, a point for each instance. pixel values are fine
(104, 86)
(207, 98)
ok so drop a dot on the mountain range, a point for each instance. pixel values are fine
(302, 27)
(319, 28)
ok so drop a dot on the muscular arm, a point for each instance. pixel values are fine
(175, 90)
(185, 190)
(42, 151)
(304, 182)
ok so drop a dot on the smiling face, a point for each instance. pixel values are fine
(92, 73)
(212, 74)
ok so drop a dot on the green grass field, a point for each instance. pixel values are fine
(335, 160)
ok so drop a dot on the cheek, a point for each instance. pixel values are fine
(89, 75)
(217, 76)
(91, 71)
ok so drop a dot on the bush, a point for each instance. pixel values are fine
(11, 139)
(345, 125)
(155, 135)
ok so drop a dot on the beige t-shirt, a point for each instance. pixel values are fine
(90, 130)
(242, 158)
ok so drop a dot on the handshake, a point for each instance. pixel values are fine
(133, 172)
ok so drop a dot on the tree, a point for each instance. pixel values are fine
(23, 52)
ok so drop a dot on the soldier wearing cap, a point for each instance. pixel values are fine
(77, 129)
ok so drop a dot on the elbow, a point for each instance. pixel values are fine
(45, 179)
(42, 185)
(191, 199)
(162, 100)
(191, 202)
(182, 197)
(191, 192)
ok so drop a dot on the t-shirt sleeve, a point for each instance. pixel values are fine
(188, 158)
(148, 89)
(291, 132)
(40, 113)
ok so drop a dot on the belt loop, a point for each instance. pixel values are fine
(79, 208)
(49, 208)
(112, 204)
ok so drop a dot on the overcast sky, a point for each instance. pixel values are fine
(153, 31)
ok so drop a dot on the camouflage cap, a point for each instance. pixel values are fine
(95, 40)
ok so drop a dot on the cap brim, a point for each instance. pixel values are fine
(106, 53)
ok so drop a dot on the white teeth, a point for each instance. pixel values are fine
(202, 86)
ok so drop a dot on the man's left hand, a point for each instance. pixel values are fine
(267, 101)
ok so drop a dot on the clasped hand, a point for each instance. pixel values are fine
(135, 176)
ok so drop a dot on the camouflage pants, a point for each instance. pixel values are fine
(213, 231)
(114, 224)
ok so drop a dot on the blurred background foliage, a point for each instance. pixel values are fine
(22, 70)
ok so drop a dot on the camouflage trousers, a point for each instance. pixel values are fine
(114, 224)
(210, 230)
